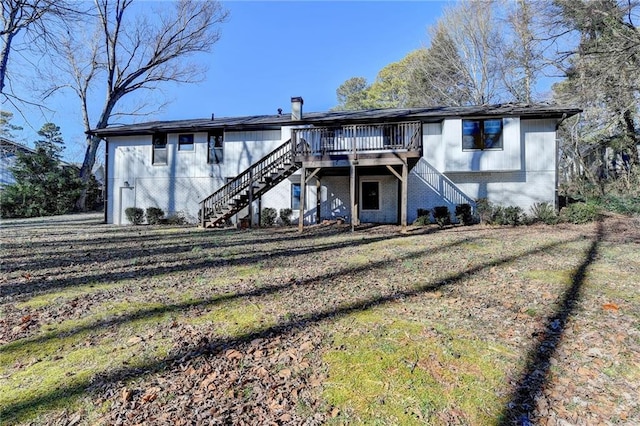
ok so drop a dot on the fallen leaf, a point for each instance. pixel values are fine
(610, 307)
(335, 412)
(285, 373)
(233, 354)
(126, 395)
(134, 340)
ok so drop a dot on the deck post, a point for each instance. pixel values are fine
(403, 202)
(354, 203)
(318, 199)
(303, 190)
(251, 198)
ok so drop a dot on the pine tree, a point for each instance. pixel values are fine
(44, 185)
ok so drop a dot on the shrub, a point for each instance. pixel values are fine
(512, 215)
(154, 214)
(544, 212)
(442, 216)
(177, 218)
(422, 221)
(580, 212)
(627, 205)
(485, 210)
(423, 218)
(423, 212)
(285, 216)
(463, 214)
(135, 215)
(268, 216)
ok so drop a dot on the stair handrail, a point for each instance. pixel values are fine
(255, 172)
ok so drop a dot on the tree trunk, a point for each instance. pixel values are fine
(93, 143)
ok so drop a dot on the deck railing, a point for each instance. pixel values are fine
(354, 139)
(276, 160)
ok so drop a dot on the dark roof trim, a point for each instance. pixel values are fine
(432, 114)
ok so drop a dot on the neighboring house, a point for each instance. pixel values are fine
(8, 155)
(364, 166)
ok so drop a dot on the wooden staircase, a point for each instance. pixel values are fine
(248, 186)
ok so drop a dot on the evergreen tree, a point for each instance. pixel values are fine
(44, 185)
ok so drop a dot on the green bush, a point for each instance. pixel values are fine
(463, 214)
(268, 216)
(543, 212)
(512, 215)
(485, 210)
(423, 218)
(442, 216)
(154, 214)
(177, 218)
(581, 212)
(423, 212)
(135, 215)
(621, 204)
(285, 216)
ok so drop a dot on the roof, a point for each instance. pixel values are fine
(9, 147)
(430, 114)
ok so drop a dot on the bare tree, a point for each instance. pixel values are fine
(463, 64)
(524, 59)
(132, 52)
(28, 24)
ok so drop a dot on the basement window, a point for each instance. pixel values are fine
(159, 155)
(370, 195)
(185, 142)
(481, 134)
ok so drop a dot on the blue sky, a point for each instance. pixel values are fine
(273, 50)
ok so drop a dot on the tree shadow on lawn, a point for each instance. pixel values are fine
(50, 400)
(520, 409)
(218, 299)
(148, 266)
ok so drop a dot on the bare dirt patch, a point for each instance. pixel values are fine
(465, 325)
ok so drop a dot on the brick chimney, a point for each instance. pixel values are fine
(296, 108)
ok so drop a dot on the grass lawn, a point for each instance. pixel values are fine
(178, 325)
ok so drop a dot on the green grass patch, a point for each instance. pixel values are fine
(384, 371)
(234, 318)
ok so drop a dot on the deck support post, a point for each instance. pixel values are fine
(353, 184)
(251, 198)
(318, 199)
(303, 190)
(403, 202)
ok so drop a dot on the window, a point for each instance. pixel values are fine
(185, 142)
(215, 152)
(370, 195)
(159, 149)
(481, 134)
(295, 196)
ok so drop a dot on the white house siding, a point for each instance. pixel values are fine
(521, 174)
(457, 160)
(388, 212)
(185, 180)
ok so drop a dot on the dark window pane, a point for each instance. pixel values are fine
(492, 134)
(215, 151)
(370, 196)
(159, 155)
(471, 134)
(185, 143)
(295, 196)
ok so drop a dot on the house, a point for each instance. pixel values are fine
(8, 156)
(378, 165)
